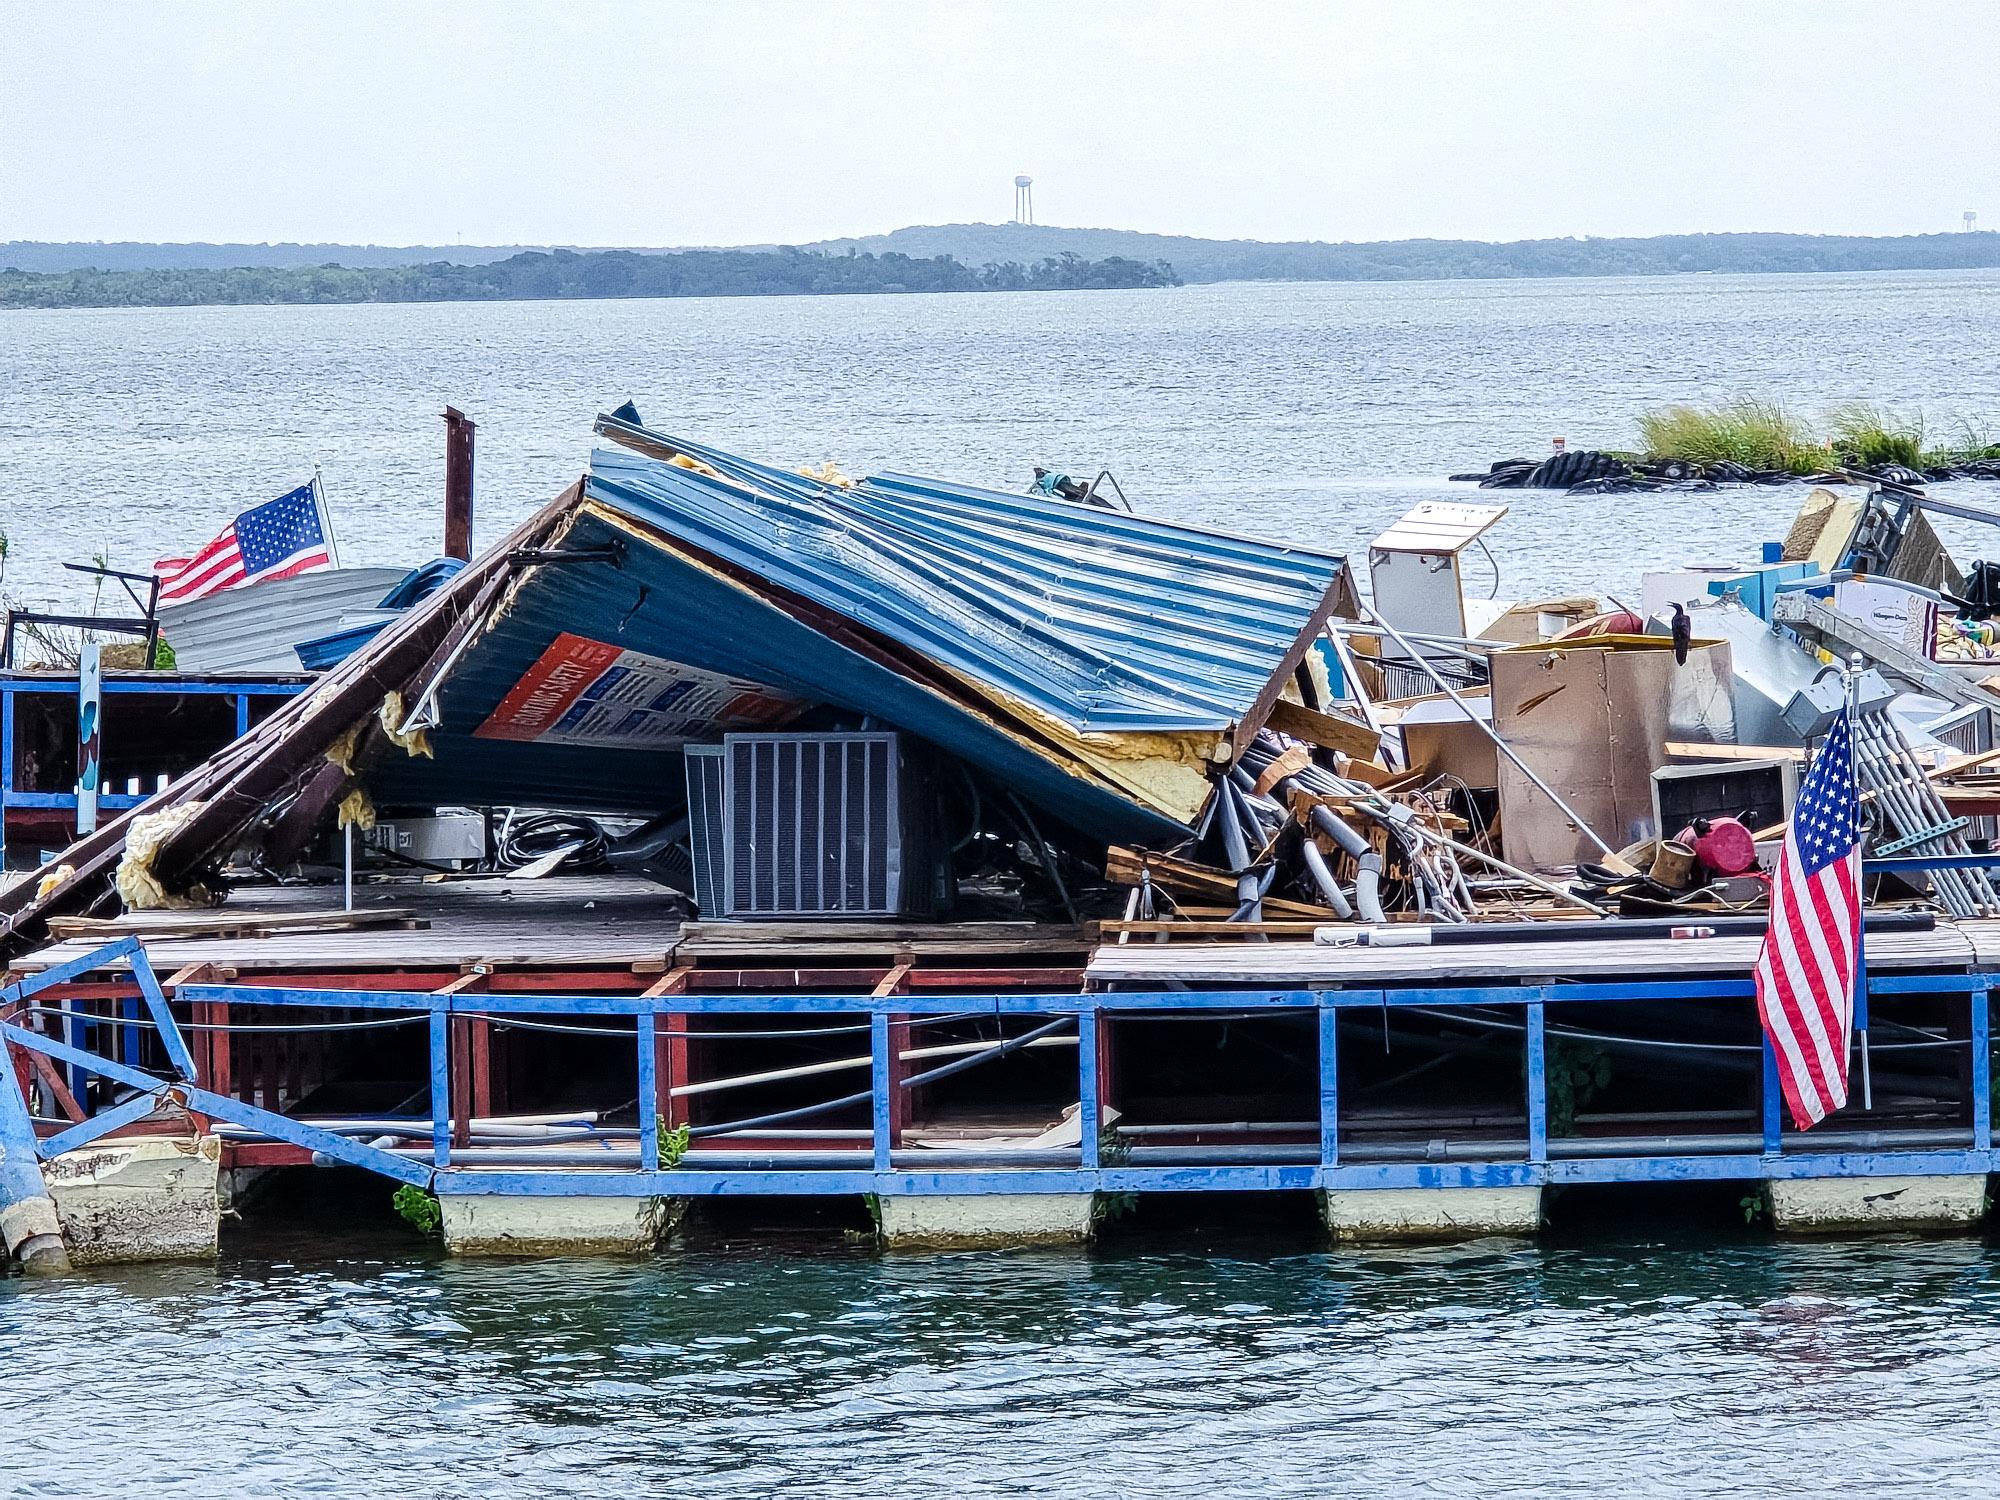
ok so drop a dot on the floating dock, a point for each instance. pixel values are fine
(561, 1087)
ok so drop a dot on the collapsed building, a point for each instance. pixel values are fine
(1014, 801)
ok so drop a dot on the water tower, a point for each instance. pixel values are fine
(1024, 199)
(1971, 221)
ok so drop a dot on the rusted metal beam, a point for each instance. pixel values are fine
(458, 431)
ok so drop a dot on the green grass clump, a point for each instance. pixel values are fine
(1756, 434)
(419, 1209)
(1864, 434)
(1972, 443)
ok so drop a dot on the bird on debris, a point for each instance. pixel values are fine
(1683, 636)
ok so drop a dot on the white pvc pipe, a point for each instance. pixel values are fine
(809, 1070)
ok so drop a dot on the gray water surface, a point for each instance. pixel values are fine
(1191, 1368)
(1664, 1365)
(1313, 412)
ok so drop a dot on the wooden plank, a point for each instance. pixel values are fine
(182, 924)
(1333, 731)
(1697, 750)
(892, 983)
(673, 982)
(52, 1080)
(1180, 877)
(1302, 965)
(1199, 928)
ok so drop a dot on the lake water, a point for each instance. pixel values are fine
(1204, 1365)
(1316, 412)
(1657, 1361)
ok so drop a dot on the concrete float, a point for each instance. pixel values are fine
(148, 1198)
(492, 1224)
(983, 1221)
(1406, 1215)
(1848, 1205)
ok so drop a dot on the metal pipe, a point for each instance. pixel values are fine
(1322, 877)
(1352, 675)
(1368, 872)
(1236, 849)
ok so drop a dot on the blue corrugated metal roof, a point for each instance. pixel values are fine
(659, 603)
(883, 600)
(1103, 620)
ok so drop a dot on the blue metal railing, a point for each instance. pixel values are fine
(883, 1168)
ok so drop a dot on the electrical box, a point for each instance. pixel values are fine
(454, 839)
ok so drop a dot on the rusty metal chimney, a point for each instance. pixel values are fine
(458, 430)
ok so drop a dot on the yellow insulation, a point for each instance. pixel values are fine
(138, 887)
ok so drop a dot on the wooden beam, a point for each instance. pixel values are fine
(1333, 731)
(892, 983)
(58, 1090)
(1180, 877)
(673, 982)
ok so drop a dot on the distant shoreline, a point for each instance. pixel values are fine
(573, 276)
(922, 252)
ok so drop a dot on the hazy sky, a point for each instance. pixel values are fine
(741, 121)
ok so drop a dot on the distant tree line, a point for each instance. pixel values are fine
(563, 274)
(1200, 260)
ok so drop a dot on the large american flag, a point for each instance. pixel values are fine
(1805, 972)
(277, 539)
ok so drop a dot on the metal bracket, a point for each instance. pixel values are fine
(1942, 830)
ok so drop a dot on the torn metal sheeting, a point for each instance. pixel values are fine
(1105, 621)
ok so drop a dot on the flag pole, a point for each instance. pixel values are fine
(325, 517)
(1855, 666)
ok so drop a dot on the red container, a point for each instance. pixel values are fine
(1723, 845)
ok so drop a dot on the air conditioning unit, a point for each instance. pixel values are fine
(708, 822)
(813, 825)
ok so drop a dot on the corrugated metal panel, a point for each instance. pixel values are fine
(254, 629)
(990, 625)
(1102, 620)
(658, 602)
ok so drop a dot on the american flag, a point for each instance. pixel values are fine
(277, 539)
(1805, 972)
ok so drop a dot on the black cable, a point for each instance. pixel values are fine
(522, 841)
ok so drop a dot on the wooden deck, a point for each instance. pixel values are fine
(1305, 966)
(556, 923)
(577, 921)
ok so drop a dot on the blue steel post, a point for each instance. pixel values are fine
(440, 1088)
(1089, 1110)
(1773, 1100)
(6, 764)
(881, 1080)
(649, 1093)
(171, 1040)
(1329, 1087)
(242, 714)
(1982, 1074)
(28, 1225)
(1538, 1083)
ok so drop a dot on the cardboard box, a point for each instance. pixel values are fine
(1591, 718)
